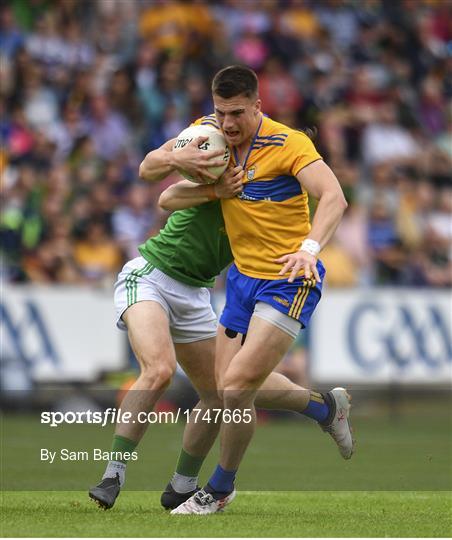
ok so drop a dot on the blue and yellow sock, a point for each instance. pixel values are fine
(317, 408)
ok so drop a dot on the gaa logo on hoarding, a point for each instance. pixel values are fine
(399, 335)
(27, 339)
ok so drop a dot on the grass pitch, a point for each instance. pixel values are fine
(261, 514)
(292, 482)
(410, 453)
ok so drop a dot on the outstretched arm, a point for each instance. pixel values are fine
(186, 194)
(159, 163)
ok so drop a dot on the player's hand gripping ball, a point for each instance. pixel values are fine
(215, 142)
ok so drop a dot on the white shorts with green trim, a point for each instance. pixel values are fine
(191, 317)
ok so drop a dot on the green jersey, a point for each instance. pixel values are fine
(192, 247)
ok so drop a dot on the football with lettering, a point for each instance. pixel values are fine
(216, 141)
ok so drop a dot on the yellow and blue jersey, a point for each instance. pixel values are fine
(270, 218)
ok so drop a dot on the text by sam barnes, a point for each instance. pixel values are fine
(96, 454)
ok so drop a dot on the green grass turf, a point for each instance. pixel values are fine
(265, 514)
(411, 453)
(399, 482)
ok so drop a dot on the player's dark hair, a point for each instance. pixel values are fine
(310, 132)
(234, 81)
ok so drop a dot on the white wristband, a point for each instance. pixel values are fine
(311, 246)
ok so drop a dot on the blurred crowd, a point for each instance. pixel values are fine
(88, 87)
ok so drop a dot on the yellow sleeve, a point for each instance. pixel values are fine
(300, 151)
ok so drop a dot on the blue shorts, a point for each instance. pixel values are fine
(297, 300)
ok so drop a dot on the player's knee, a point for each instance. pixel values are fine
(239, 380)
(165, 373)
(234, 398)
(158, 376)
(239, 388)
